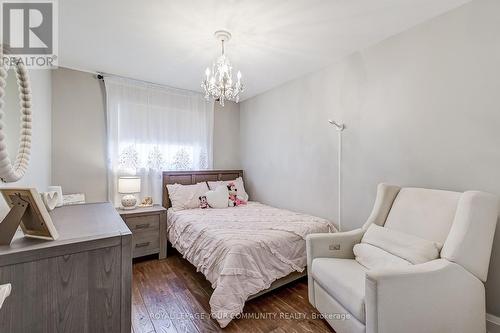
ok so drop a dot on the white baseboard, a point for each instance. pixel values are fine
(492, 323)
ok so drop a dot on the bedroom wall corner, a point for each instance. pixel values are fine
(227, 136)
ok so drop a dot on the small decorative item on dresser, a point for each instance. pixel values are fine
(57, 189)
(129, 186)
(149, 230)
(146, 202)
(73, 199)
(50, 199)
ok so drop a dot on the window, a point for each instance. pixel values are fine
(151, 129)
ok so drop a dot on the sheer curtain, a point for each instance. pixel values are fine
(153, 128)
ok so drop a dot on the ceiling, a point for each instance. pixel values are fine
(171, 42)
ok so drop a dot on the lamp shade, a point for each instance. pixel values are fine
(127, 185)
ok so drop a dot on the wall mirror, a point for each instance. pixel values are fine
(15, 122)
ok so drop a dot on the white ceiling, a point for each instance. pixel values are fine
(171, 41)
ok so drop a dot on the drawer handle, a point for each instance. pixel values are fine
(142, 244)
(142, 226)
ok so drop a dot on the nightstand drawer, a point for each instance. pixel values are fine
(145, 242)
(149, 230)
(143, 223)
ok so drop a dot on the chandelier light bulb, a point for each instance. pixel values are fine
(218, 84)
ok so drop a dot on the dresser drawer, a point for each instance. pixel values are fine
(143, 223)
(145, 242)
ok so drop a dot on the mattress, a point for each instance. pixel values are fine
(242, 250)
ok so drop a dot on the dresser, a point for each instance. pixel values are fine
(80, 282)
(149, 230)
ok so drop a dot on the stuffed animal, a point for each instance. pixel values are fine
(234, 200)
(203, 202)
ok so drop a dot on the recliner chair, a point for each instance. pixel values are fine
(439, 296)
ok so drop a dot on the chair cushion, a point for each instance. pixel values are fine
(373, 257)
(424, 213)
(408, 247)
(344, 280)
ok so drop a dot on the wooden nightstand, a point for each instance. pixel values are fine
(149, 230)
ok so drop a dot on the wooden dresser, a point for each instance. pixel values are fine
(80, 282)
(149, 230)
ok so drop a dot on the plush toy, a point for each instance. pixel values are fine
(234, 200)
(203, 202)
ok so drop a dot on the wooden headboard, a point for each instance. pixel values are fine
(193, 177)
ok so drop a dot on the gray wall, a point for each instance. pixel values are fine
(38, 173)
(79, 134)
(227, 136)
(421, 108)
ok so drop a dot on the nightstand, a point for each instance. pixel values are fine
(149, 230)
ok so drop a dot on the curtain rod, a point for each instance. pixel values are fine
(102, 75)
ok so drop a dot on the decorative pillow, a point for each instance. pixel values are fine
(240, 188)
(405, 246)
(186, 196)
(218, 198)
(373, 257)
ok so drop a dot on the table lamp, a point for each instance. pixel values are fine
(129, 186)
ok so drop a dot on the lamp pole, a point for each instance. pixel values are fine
(340, 128)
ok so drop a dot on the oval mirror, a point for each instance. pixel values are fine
(15, 122)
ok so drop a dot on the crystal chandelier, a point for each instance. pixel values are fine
(218, 83)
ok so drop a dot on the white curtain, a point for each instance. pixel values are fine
(153, 128)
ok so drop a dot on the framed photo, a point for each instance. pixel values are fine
(36, 221)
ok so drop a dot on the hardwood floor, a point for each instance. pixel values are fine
(170, 296)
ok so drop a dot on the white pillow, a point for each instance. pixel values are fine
(373, 257)
(240, 187)
(408, 247)
(218, 198)
(186, 196)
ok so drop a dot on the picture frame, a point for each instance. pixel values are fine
(28, 211)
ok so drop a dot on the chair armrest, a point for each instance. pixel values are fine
(336, 245)
(435, 297)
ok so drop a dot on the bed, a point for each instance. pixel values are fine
(243, 251)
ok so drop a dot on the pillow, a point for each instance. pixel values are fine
(373, 257)
(240, 188)
(218, 198)
(408, 247)
(186, 196)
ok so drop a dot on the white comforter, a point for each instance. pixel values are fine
(242, 250)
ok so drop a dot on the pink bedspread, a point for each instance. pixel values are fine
(242, 250)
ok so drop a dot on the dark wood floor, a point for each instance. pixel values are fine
(170, 296)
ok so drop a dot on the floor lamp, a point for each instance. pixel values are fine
(340, 128)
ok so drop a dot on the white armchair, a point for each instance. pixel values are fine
(439, 296)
